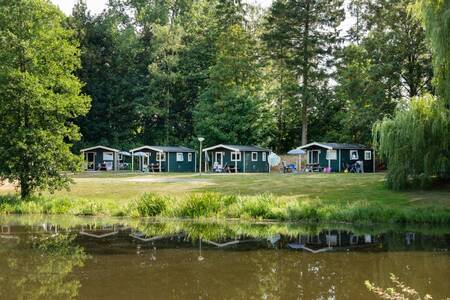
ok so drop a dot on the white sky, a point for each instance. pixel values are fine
(96, 6)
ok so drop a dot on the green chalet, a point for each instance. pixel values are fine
(101, 158)
(164, 159)
(236, 158)
(338, 157)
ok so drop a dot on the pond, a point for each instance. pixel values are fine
(105, 258)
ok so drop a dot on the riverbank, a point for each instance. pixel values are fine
(351, 198)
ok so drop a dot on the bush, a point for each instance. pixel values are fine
(200, 205)
(257, 207)
(150, 205)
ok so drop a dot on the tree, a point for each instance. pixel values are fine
(435, 17)
(416, 141)
(307, 32)
(39, 96)
(229, 107)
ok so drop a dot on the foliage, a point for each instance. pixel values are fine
(435, 17)
(150, 205)
(228, 109)
(415, 143)
(39, 96)
(400, 292)
(302, 36)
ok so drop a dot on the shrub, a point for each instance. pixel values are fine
(150, 205)
(200, 205)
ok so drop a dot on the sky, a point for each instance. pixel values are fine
(96, 6)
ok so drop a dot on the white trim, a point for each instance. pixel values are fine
(109, 153)
(264, 156)
(220, 163)
(312, 156)
(357, 154)
(340, 160)
(189, 158)
(182, 157)
(365, 155)
(220, 146)
(159, 158)
(315, 144)
(148, 148)
(99, 147)
(255, 159)
(236, 153)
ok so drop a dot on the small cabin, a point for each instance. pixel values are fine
(101, 158)
(338, 157)
(164, 159)
(236, 158)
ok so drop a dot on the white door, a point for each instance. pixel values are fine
(219, 159)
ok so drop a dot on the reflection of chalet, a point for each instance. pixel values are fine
(99, 232)
(240, 242)
(6, 233)
(142, 237)
(333, 240)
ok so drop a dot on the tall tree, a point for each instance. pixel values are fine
(229, 106)
(39, 96)
(308, 31)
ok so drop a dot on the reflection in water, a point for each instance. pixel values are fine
(38, 266)
(187, 260)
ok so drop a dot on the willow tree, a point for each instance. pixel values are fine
(415, 142)
(39, 95)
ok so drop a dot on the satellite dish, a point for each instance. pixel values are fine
(273, 159)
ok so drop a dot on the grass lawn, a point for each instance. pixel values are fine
(347, 197)
(123, 187)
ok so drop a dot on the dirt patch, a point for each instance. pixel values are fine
(7, 187)
(170, 180)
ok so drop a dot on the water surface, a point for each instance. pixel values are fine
(83, 258)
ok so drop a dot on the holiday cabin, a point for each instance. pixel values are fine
(338, 157)
(101, 158)
(164, 159)
(236, 158)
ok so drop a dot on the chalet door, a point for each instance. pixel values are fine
(90, 157)
(219, 159)
(314, 159)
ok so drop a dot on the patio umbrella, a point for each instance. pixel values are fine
(297, 152)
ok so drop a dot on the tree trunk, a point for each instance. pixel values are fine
(305, 75)
(25, 190)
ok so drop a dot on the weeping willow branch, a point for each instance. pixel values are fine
(415, 143)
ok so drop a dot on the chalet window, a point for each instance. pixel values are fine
(254, 156)
(108, 156)
(236, 156)
(331, 154)
(367, 155)
(160, 156)
(354, 154)
(264, 156)
(180, 157)
(189, 157)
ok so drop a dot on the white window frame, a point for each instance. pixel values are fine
(264, 156)
(160, 156)
(330, 156)
(311, 156)
(108, 153)
(189, 157)
(237, 156)
(367, 155)
(351, 156)
(255, 158)
(180, 157)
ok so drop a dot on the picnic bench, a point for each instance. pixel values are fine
(155, 168)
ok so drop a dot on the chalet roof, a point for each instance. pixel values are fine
(99, 147)
(238, 148)
(335, 146)
(164, 149)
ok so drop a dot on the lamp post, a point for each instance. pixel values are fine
(200, 139)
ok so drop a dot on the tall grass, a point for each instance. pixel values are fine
(219, 206)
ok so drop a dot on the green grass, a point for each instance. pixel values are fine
(357, 198)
